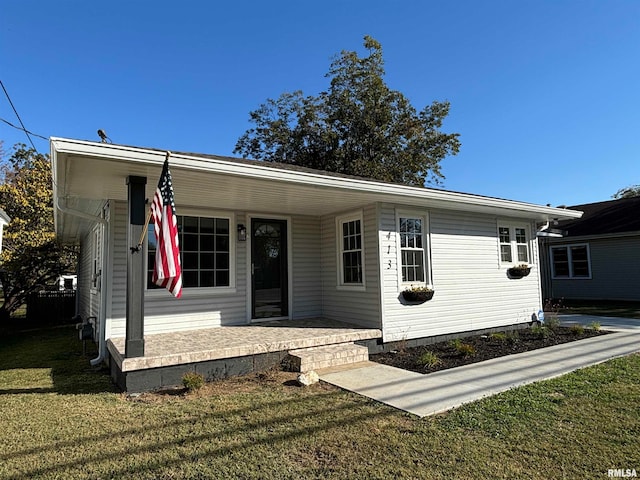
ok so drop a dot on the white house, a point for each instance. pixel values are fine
(263, 241)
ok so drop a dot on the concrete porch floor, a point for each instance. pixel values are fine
(195, 346)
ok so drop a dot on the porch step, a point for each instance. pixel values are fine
(315, 358)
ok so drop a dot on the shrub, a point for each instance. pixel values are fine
(513, 337)
(595, 326)
(429, 359)
(455, 343)
(401, 345)
(577, 329)
(499, 336)
(466, 350)
(540, 331)
(552, 323)
(192, 381)
(552, 309)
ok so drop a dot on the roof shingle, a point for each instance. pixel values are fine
(601, 218)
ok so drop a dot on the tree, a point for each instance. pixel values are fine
(31, 256)
(358, 127)
(627, 192)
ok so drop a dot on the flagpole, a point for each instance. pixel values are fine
(149, 213)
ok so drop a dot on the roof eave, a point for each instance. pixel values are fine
(395, 192)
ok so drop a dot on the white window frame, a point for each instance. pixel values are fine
(201, 291)
(426, 248)
(571, 275)
(341, 285)
(514, 244)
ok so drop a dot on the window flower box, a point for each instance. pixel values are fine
(519, 271)
(417, 294)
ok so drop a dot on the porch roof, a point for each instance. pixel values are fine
(85, 174)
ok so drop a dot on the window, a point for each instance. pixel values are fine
(350, 251)
(571, 261)
(204, 252)
(514, 244)
(412, 249)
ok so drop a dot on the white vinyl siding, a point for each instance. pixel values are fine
(471, 290)
(96, 259)
(198, 308)
(361, 305)
(90, 265)
(85, 269)
(306, 275)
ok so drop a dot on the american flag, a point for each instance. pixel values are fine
(166, 271)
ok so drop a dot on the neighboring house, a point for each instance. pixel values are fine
(67, 282)
(4, 221)
(318, 245)
(598, 256)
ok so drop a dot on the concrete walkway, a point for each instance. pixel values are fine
(438, 392)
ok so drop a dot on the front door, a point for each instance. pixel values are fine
(269, 272)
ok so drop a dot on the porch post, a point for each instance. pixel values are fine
(134, 342)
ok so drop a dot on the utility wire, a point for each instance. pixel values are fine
(16, 112)
(22, 129)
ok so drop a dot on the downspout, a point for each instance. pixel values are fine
(102, 343)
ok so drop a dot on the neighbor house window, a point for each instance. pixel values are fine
(514, 244)
(350, 251)
(204, 252)
(571, 261)
(411, 231)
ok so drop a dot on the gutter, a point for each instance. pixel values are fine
(102, 343)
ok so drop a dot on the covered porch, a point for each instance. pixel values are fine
(226, 351)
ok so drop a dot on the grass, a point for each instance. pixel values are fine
(60, 419)
(603, 308)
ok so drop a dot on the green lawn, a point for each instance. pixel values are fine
(60, 419)
(605, 308)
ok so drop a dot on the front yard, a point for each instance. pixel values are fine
(62, 420)
(603, 308)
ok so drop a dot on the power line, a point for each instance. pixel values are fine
(22, 129)
(16, 112)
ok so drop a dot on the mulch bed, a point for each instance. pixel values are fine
(484, 347)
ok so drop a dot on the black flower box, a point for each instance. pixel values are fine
(519, 272)
(417, 296)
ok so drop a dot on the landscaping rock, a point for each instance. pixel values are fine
(308, 378)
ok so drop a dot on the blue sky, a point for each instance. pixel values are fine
(545, 94)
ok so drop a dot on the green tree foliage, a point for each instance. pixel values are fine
(628, 192)
(358, 127)
(31, 256)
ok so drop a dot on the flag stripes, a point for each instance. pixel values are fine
(167, 271)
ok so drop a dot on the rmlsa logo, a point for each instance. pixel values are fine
(622, 472)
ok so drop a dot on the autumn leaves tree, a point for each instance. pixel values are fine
(31, 257)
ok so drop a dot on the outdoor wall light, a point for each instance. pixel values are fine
(242, 233)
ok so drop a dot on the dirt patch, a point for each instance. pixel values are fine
(444, 355)
(251, 382)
